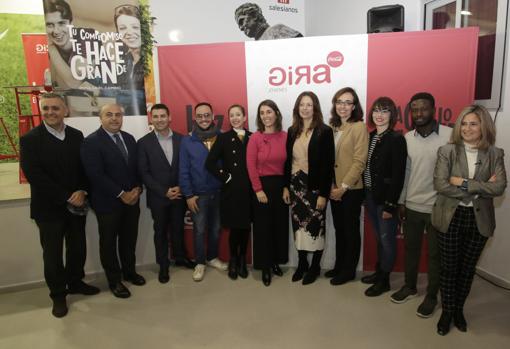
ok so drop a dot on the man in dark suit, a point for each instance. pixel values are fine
(109, 158)
(50, 159)
(158, 165)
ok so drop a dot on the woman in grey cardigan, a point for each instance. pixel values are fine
(469, 173)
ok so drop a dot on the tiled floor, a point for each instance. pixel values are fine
(219, 313)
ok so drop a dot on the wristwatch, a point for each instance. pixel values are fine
(464, 185)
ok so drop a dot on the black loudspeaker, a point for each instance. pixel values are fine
(385, 19)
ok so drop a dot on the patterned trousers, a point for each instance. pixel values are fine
(460, 248)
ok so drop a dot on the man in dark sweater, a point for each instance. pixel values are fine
(50, 159)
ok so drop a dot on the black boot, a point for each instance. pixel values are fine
(302, 266)
(232, 268)
(460, 321)
(266, 276)
(315, 270)
(443, 326)
(380, 286)
(242, 269)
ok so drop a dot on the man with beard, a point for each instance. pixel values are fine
(158, 165)
(251, 21)
(201, 189)
(418, 197)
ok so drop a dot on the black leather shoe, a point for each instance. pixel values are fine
(443, 325)
(299, 273)
(277, 270)
(460, 321)
(59, 307)
(185, 263)
(266, 277)
(242, 269)
(163, 276)
(135, 279)
(310, 276)
(341, 279)
(79, 287)
(232, 268)
(119, 290)
(370, 279)
(331, 273)
(377, 289)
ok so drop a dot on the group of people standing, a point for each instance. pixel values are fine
(432, 179)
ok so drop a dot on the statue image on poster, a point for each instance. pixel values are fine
(96, 61)
(252, 22)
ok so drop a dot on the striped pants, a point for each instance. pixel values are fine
(460, 248)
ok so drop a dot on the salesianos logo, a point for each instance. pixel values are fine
(306, 74)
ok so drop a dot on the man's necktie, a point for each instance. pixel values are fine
(121, 147)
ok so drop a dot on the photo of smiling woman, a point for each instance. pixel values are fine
(309, 172)
(227, 162)
(265, 159)
(469, 174)
(127, 24)
(383, 180)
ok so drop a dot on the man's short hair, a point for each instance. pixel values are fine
(49, 95)
(424, 95)
(250, 9)
(160, 106)
(58, 6)
(202, 104)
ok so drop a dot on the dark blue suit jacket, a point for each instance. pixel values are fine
(108, 172)
(157, 174)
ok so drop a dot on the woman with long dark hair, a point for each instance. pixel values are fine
(309, 171)
(383, 180)
(227, 161)
(265, 159)
(469, 173)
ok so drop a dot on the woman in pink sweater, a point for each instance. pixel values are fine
(265, 159)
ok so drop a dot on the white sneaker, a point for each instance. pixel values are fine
(198, 273)
(216, 263)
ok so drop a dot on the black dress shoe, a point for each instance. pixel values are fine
(79, 287)
(163, 276)
(310, 276)
(443, 325)
(331, 273)
(460, 321)
(232, 268)
(341, 279)
(59, 307)
(119, 290)
(266, 277)
(277, 270)
(135, 279)
(299, 273)
(370, 279)
(242, 269)
(185, 263)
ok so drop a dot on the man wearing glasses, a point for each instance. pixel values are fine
(109, 157)
(201, 189)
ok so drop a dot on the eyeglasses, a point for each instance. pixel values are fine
(381, 111)
(204, 116)
(344, 103)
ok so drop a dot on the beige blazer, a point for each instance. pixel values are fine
(452, 161)
(351, 154)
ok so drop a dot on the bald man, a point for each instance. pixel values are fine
(109, 157)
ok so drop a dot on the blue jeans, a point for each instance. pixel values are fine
(206, 219)
(385, 234)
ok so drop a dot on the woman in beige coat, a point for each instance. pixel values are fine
(469, 173)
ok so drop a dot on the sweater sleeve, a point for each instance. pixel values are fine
(252, 162)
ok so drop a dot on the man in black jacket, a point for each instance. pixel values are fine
(158, 165)
(50, 159)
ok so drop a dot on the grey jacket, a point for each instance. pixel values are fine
(452, 161)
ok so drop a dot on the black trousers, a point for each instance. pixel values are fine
(169, 226)
(346, 219)
(271, 225)
(119, 227)
(71, 230)
(460, 248)
(238, 241)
